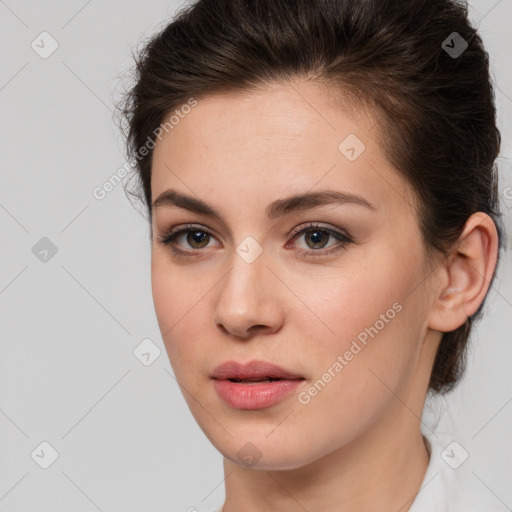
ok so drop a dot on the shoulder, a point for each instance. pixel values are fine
(450, 483)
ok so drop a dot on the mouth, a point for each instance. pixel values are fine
(253, 372)
(256, 380)
(254, 385)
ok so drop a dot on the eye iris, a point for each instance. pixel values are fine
(196, 237)
(317, 237)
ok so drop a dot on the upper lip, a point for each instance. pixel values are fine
(251, 370)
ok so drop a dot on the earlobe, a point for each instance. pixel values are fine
(468, 271)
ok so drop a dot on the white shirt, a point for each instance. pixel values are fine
(449, 484)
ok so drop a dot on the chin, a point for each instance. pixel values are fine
(262, 453)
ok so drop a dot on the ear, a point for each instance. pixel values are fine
(467, 273)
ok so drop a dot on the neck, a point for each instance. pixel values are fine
(383, 468)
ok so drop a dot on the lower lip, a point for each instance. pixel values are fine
(255, 396)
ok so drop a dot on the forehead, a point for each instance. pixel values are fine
(283, 138)
(289, 114)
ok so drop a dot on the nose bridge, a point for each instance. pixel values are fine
(247, 297)
(244, 283)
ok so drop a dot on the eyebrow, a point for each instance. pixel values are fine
(276, 209)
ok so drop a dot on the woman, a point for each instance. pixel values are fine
(320, 183)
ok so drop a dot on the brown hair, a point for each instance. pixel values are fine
(435, 103)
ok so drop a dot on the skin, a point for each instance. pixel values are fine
(357, 444)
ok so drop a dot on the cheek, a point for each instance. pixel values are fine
(359, 370)
(177, 308)
(165, 298)
(367, 318)
(343, 303)
(177, 291)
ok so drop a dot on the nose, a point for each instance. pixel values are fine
(248, 303)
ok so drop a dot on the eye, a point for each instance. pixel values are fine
(317, 237)
(195, 236)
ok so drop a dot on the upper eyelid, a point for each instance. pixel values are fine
(180, 231)
(319, 226)
(187, 228)
(293, 232)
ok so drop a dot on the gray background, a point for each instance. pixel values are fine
(125, 438)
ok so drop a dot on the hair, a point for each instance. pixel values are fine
(435, 109)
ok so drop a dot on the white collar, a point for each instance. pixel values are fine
(449, 484)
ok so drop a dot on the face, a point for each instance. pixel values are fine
(330, 288)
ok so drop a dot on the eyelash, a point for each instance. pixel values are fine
(169, 239)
